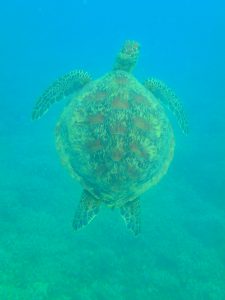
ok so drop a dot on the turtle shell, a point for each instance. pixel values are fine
(115, 138)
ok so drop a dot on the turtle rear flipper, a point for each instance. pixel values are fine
(131, 215)
(87, 209)
(62, 87)
(169, 99)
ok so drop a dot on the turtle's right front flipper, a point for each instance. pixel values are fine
(64, 86)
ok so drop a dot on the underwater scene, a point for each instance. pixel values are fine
(138, 124)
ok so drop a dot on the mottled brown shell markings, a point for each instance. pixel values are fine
(141, 123)
(117, 154)
(119, 103)
(94, 145)
(118, 128)
(95, 118)
(139, 151)
(118, 136)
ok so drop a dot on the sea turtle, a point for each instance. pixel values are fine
(114, 135)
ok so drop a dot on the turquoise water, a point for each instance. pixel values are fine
(180, 253)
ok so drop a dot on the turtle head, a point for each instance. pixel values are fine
(127, 57)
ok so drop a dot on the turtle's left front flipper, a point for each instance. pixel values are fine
(131, 215)
(169, 99)
(64, 86)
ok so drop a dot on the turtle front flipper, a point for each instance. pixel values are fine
(131, 215)
(169, 99)
(87, 209)
(64, 86)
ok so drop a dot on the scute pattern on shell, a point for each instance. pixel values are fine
(115, 138)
